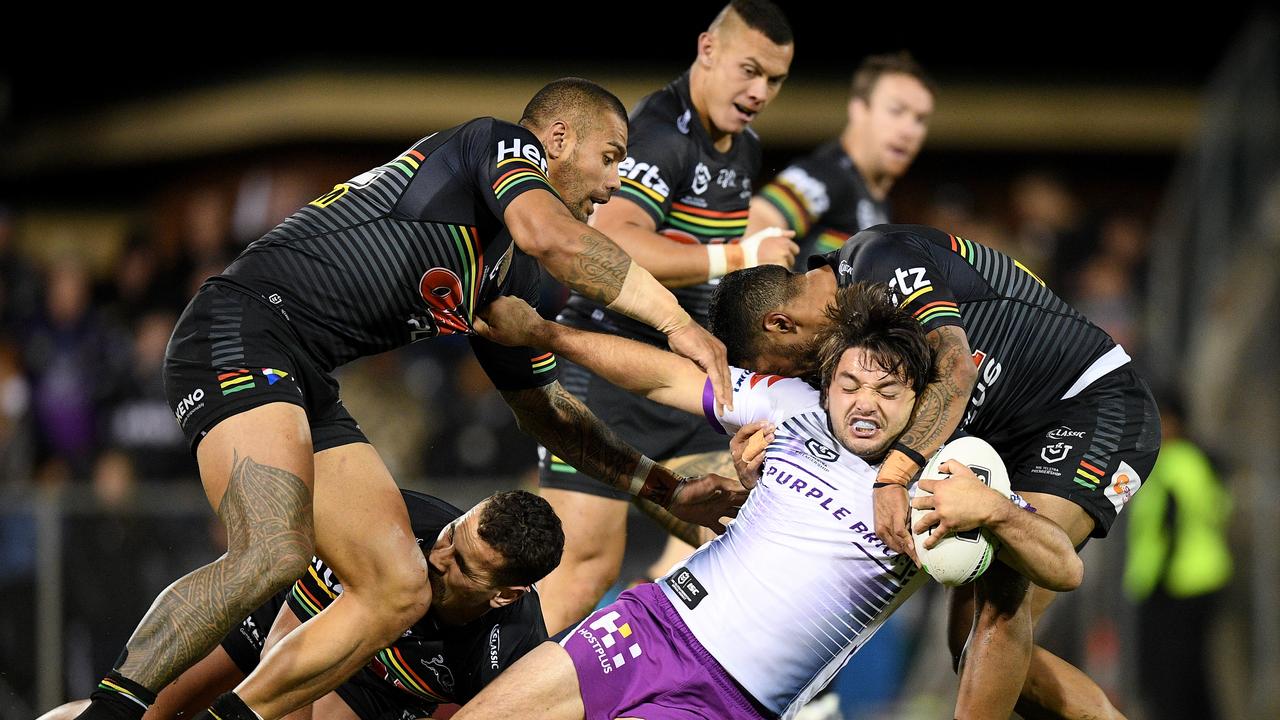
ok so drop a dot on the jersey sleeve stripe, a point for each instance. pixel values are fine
(830, 241)
(321, 583)
(514, 178)
(932, 305)
(395, 661)
(629, 184)
(304, 598)
(641, 199)
(709, 407)
(533, 165)
(791, 208)
(917, 294)
(937, 313)
(543, 364)
(710, 222)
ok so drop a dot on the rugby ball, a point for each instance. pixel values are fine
(961, 557)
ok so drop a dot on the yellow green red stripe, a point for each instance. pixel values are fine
(395, 662)
(468, 246)
(830, 240)
(789, 203)
(934, 310)
(543, 363)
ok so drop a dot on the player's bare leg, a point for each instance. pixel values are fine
(595, 537)
(257, 473)
(1053, 688)
(542, 684)
(998, 652)
(363, 533)
(676, 550)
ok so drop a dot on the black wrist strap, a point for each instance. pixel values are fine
(878, 485)
(916, 457)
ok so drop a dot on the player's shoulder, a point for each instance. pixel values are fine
(782, 387)
(664, 115)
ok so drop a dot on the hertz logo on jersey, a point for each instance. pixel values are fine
(517, 149)
(642, 173)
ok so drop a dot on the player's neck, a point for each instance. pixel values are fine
(878, 183)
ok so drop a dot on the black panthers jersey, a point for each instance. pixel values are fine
(1031, 347)
(408, 251)
(824, 200)
(694, 193)
(432, 662)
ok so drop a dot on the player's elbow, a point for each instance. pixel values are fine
(1067, 575)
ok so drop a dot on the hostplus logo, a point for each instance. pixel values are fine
(607, 641)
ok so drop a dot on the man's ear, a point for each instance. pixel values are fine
(706, 48)
(507, 595)
(557, 139)
(779, 322)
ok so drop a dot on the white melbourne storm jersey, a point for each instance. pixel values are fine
(799, 581)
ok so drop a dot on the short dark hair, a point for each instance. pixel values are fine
(863, 316)
(760, 15)
(524, 529)
(579, 97)
(876, 66)
(739, 304)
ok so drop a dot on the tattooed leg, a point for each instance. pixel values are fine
(267, 513)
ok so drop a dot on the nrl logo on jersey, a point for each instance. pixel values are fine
(647, 175)
(820, 451)
(517, 149)
(701, 178)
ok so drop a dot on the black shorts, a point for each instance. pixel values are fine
(244, 642)
(373, 699)
(656, 430)
(232, 351)
(1095, 449)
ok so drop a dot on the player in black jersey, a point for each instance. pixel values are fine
(481, 620)
(404, 252)
(1053, 393)
(843, 186)
(681, 211)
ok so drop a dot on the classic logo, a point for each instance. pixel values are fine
(527, 150)
(495, 644)
(1063, 433)
(820, 451)
(682, 122)
(701, 178)
(1055, 452)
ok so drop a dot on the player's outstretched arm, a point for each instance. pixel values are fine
(938, 412)
(587, 261)
(570, 430)
(633, 366)
(677, 264)
(1035, 546)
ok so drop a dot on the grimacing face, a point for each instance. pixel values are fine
(745, 73)
(868, 407)
(461, 567)
(587, 173)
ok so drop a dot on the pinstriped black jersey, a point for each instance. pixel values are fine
(408, 251)
(694, 193)
(431, 662)
(1030, 346)
(824, 200)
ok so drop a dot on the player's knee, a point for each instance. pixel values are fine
(399, 597)
(1000, 594)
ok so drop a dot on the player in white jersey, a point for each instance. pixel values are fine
(758, 620)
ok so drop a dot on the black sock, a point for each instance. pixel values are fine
(228, 706)
(118, 698)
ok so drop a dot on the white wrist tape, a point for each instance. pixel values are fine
(640, 475)
(717, 262)
(751, 249)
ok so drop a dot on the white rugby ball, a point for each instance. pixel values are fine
(960, 558)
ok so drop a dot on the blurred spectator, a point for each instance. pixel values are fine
(954, 208)
(19, 283)
(1177, 567)
(73, 358)
(375, 391)
(15, 417)
(1048, 227)
(480, 436)
(137, 418)
(1107, 288)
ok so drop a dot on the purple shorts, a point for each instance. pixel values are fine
(636, 658)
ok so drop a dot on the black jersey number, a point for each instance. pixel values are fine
(442, 291)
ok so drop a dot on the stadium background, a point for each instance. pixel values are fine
(1132, 163)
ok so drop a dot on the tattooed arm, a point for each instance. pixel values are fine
(589, 262)
(938, 413)
(569, 429)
